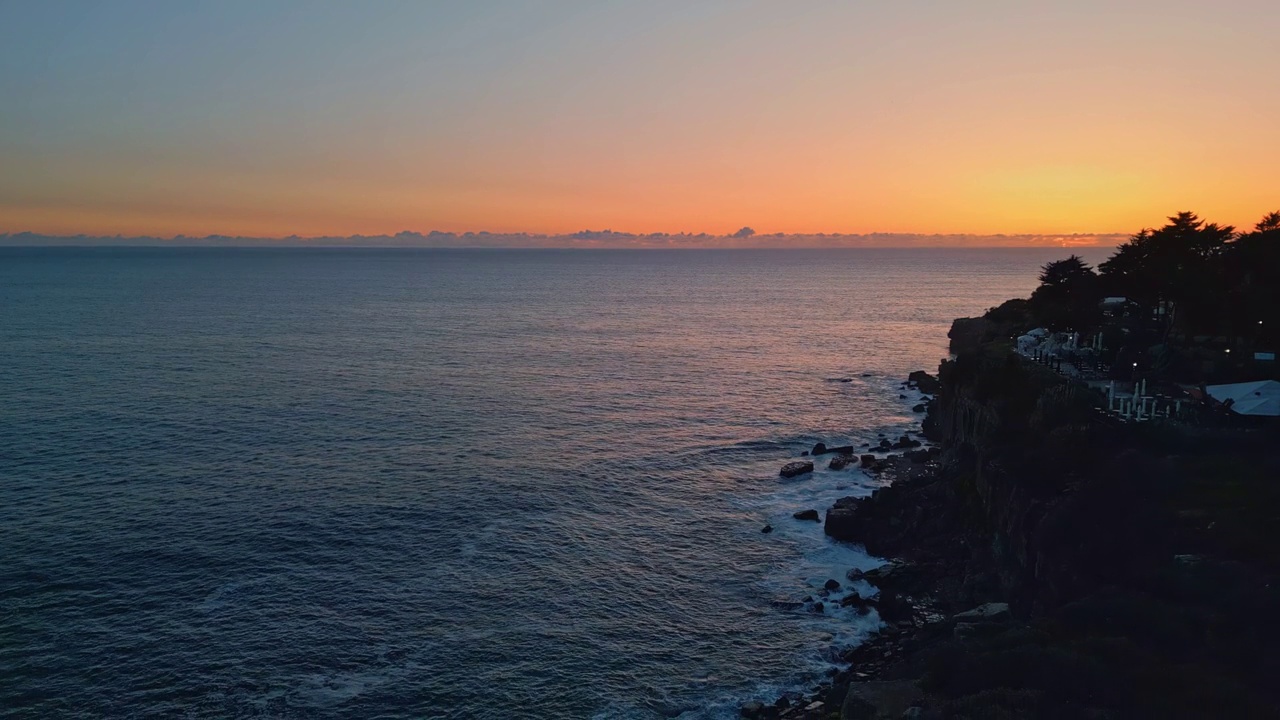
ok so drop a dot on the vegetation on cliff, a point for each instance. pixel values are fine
(1182, 298)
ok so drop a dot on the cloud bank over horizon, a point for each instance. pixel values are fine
(587, 239)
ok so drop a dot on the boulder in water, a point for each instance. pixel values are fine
(808, 515)
(793, 469)
(927, 383)
(819, 448)
(839, 523)
(766, 529)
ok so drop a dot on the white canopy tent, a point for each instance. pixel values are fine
(1260, 398)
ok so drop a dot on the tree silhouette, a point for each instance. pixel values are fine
(1268, 223)
(1252, 270)
(1068, 295)
(1173, 270)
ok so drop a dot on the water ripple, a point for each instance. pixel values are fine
(243, 483)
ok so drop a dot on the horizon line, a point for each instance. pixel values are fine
(587, 239)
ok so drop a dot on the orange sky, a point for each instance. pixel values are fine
(910, 117)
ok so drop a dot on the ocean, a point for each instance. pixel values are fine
(397, 483)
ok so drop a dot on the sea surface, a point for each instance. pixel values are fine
(341, 483)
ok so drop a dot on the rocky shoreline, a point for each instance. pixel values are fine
(1037, 569)
(914, 599)
(903, 598)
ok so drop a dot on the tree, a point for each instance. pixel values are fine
(1252, 267)
(1175, 268)
(1269, 222)
(1065, 273)
(1068, 295)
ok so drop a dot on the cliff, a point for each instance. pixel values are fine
(1139, 562)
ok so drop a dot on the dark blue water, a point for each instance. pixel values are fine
(457, 484)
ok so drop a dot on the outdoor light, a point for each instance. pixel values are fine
(1135, 365)
(1228, 351)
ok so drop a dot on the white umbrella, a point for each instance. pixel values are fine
(1252, 398)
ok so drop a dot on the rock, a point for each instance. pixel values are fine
(893, 607)
(819, 449)
(839, 523)
(766, 529)
(793, 469)
(846, 450)
(832, 584)
(968, 630)
(867, 459)
(854, 574)
(836, 695)
(902, 397)
(839, 462)
(751, 709)
(854, 600)
(918, 457)
(819, 607)
(988, 613)
(883, 573)
(880, 699)
(927, 383)
(814, 706)
(886, 445)
(804, 454)
(806, 599)
(808, 515)
(855, 708)
(919, 408)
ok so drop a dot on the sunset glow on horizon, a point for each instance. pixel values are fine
(291, 118)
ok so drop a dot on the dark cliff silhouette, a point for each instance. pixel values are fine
(1190, 302)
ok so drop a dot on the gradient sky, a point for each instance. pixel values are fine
(266, 117)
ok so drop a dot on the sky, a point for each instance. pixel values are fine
(319, 118)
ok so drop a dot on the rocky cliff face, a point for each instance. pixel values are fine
(1140, 561)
